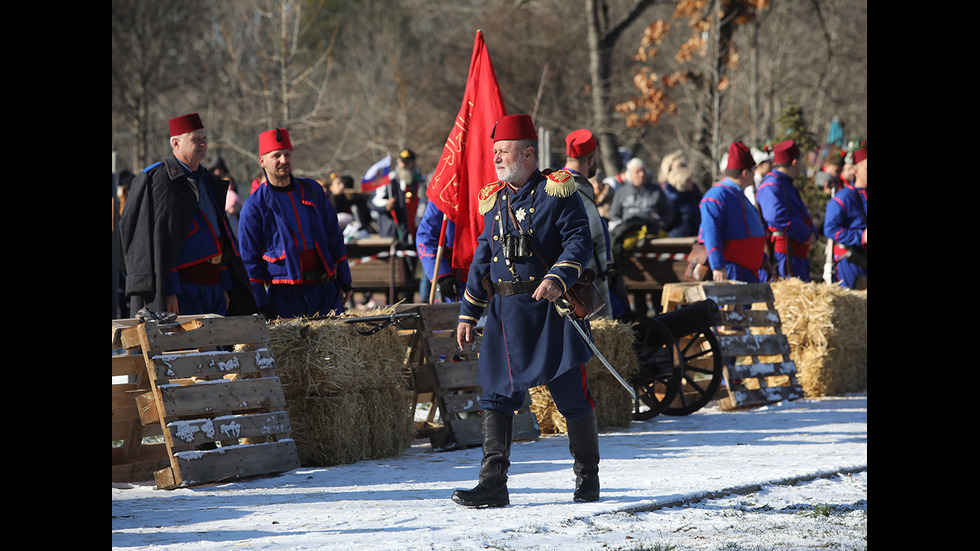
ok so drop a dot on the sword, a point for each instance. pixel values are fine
(565, 311)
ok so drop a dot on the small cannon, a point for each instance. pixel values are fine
(681, 363)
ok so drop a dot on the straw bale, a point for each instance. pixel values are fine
(335, 430)
(345, 392)
(614, 406)
(827, 329)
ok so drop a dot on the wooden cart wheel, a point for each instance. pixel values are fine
(659, 376)
(702, 372)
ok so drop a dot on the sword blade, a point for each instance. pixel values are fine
(627, 386)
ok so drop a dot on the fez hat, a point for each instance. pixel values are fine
(513, 127)
(271, 140)
(860, 155)
(785, 152)
(184, 124)
(739, 157)
(406, 155)
(579, 143)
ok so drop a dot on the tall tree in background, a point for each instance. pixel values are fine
(149, 63)
(602, 36)
(704, 61)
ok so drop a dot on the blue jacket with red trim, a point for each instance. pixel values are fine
(273, 233)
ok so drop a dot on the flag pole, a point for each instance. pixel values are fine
(435, 268)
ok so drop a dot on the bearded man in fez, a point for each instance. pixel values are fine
(534, 246)
(292, 243)
(181, 254)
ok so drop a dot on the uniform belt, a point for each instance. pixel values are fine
(202, 273)
(510, 288)
(318, 276)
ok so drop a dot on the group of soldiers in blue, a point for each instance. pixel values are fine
(539, 239)
(771, 239)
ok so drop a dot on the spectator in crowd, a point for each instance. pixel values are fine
(643, 201)
(685, 198)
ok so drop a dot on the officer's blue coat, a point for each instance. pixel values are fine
(526, 343)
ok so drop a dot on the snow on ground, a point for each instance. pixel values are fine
(787, 476)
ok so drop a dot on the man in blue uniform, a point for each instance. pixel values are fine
(847, 225)
(427, 247)
(790, 228)
(180, 250)
(292, 245)
(731, 229)
(534, 246)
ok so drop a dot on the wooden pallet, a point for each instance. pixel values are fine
(222, 413)
(744, 307)
(449, 377)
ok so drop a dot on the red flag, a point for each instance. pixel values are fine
(466, 164)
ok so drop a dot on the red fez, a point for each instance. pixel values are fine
(579, 143)
(739, 157)
(860, 155)
(785, 152)
(271, 140)
(513, 127)
(184, 124)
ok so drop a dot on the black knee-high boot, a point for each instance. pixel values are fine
(583, 443)
(491, 491)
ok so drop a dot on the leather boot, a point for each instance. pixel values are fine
(491, 491)
(583, 443)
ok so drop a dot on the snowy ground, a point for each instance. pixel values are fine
(787, 476)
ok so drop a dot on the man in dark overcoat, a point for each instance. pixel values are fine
(535, 245)
(181, 254)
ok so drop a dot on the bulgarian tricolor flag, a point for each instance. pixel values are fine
(466, 164)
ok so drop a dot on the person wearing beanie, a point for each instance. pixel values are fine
(731, 228)
(181, 253)
(292, 243)
(846, 224)
(535, 245)
(791, 230)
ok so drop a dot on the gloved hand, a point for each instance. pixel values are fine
(448, 287)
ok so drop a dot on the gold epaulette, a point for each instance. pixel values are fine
(560, 183)
(488, 197)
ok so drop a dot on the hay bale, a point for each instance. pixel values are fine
(827, 329)
(345, 392)
(614, 406)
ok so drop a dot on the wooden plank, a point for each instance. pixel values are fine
(753, 345)
(129, 365)
(187, 434)
(457, 374)
(206, 332)
(765, 395)
(213, 364)
(748, 293)
(461, 403)
(743, 317)
(757, 370)
(211, 397)
(197, 467)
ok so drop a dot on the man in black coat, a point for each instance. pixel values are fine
(181, 254)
